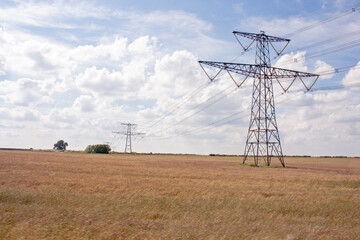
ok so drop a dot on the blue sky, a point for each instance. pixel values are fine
(75, 70)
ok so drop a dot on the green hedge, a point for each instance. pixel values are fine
(98, 148)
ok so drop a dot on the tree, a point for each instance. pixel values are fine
(98, 148)
(60, 145)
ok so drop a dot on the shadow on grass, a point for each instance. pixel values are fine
(261, 166)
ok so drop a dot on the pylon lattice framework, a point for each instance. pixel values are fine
(129, 134)
(263, 139)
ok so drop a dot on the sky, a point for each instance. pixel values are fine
(77, 70)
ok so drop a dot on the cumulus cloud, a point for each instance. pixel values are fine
(319, 122)
(174, 75)
(105, 83)
(326, 71)
(2, 66)
(19, 114)
(31, 55)
(79, 80)
(293, 61)
(121, 67)
(64, 117)
(352, 76)
(23, 92)
(113, 51)
(85, 103)
(297, 61)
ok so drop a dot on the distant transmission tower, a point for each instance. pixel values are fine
(263, 139)
(129, 134)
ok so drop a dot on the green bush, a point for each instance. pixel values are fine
(90, 149)
(98, 148)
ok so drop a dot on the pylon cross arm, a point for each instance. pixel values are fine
(121, 133)
(259, 35)
(277, 73)
(252, 71)
(136, 133)
(285, 73)
(249, 70)
(128, 133)
(129, 124)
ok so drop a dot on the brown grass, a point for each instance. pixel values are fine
(86, 196)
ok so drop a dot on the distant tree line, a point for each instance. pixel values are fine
(98, 148)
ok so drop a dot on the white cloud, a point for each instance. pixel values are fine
(353, 76)
(19, 114)
(124, 70)
(43, 14)
(31, 55)
(297, 61)
(3, 66)
(23, 92)
(64, 118)
(78, 80)
(174, 75)
(293, 61)
(105, 83)
(89, 53)
(325, 70)
(85, 103)
(325, 125)
(174, 22)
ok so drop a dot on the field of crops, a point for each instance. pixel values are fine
(53, 195)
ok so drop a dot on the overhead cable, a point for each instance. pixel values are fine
(330, 19)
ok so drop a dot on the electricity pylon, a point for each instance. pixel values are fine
(129, 133)
(263, 139)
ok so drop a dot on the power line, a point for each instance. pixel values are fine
(211, 125)
(219, 96)
(214, 124)
(129, 133)
(338, 70)
(210, 101)
(323, 73)
(351, 34)
(213, 99)
(184, 100)
(263, 139)
(334, 87)
(330, 19)
(327, 51)
(197, 130)
(176, 105)
(336, 48)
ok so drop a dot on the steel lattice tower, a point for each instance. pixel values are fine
(263, 139)
(129, 133)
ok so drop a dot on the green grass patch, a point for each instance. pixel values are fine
(14, 196)
(345, 184)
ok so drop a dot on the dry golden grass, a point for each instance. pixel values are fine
(46, 195)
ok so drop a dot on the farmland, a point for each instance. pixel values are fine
(56, 195)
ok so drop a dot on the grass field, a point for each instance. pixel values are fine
(50, 195)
